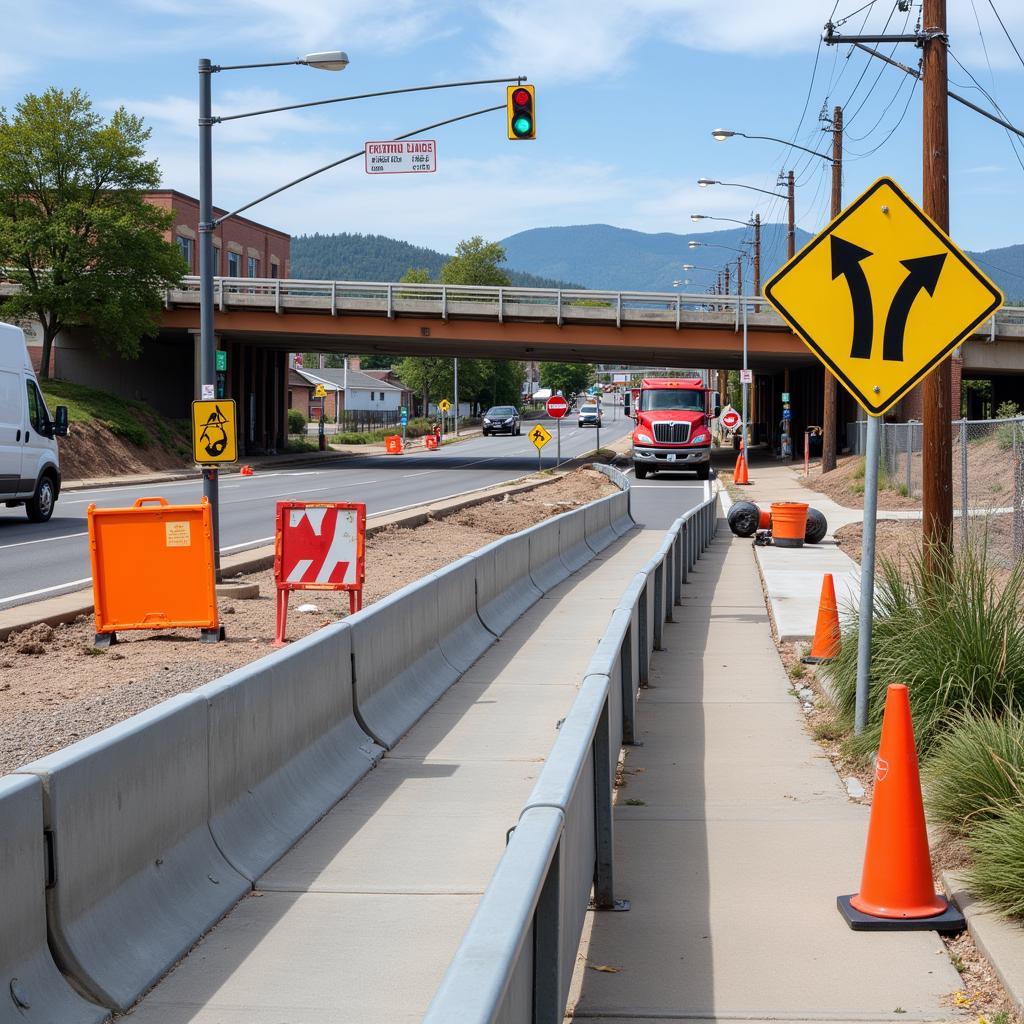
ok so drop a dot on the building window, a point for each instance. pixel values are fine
(234, 264)
(187, 247)
(273, 270)
(254, 267)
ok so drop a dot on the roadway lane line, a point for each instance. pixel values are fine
(45, 590)
(246, 544)
(308, 490)
(43, 540)
(445, 497)
(664, 487)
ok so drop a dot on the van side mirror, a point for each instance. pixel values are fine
(60, 421)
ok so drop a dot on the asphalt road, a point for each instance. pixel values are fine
(42, 560)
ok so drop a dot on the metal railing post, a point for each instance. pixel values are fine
(604, 878)
(659, 604)
(547, 960)
(626, 678)
(644, 655)
(684, 532)
(910, 459)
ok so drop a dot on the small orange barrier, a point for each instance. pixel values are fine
(896, 889)
(393, 444)
(430, 442)
(153, 568)
(789, 523)
(826, 630)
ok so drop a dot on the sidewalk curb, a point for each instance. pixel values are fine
(67, 607)
(1000, 941)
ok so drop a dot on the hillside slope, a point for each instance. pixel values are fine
(354, 257)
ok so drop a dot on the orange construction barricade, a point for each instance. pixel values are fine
(393, 444)
(430, 441)
(153, 568)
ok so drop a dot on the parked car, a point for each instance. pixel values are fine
(590, 414)
(502, 419)
(29, 464)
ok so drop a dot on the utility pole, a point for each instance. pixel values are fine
(727, 292)
(757, 254)
(791, 236)
(828, 418)
(937, 458)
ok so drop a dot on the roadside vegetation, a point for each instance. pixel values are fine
(956, 638)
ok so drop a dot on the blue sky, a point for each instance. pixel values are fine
(628, 92)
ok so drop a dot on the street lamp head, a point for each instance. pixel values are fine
(698, 216)
(689, 266)
(704, 182)
(693, 244)
(328, 60)
(721, 134)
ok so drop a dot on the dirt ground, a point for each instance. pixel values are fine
(845, 485)
(91, 450)
(56, 688)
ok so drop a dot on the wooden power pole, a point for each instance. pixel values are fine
(828, 420)
(791, 234)
(937, 457)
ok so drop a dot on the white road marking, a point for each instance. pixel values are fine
(247, 544)
(43, 540)
(664, 487)
(46, 590)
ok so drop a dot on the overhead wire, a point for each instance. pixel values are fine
(1006, 31)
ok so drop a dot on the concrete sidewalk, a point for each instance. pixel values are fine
(358, 922)
(734, 835)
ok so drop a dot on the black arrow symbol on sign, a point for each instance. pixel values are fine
(846, 260)
(924, 275)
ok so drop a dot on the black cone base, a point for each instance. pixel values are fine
(949, 921)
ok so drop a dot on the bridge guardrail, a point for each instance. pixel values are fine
(560, 305)
(159, 824)
(516, 959)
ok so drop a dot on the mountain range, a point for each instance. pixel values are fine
(593, 256)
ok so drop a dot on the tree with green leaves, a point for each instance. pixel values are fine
(475, 262)
(569, 378)
(76, 232)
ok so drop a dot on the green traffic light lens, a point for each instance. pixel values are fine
(522, 125)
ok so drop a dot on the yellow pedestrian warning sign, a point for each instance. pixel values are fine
(539, 436)
(320, 391)
(444, 405)
(213, 431)
(882, 295)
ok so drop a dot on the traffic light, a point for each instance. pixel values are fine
(522, 123)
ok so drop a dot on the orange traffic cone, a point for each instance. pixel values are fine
(245, 471)
(896, 889)
(764, 519)
(825, 645)
(739, 473)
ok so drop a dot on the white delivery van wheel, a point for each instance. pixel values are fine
(39, 507)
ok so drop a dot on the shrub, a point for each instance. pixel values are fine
(296, 422)
(954, 636)
(997, 875)
(976, 771)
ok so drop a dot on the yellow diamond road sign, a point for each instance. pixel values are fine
(320, 391)
(539, 436)
(444, 405)
(882, 296)
(213, 431)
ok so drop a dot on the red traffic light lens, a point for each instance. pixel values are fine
(521, 98)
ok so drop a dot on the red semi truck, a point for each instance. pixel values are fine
(673, 425)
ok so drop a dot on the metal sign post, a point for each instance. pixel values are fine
(558, 443)
(867, 576)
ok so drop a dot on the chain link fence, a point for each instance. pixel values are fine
(988, 478)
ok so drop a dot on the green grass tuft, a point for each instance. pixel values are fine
(997, 875)
(119, 415)
(976, 772)
(955, 637)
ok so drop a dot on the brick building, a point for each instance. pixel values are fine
(241, 247)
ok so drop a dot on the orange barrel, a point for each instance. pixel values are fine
(789, 523)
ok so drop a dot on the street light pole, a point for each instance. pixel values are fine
(207, 358)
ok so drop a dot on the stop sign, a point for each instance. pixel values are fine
(731, 419)
(557, 407)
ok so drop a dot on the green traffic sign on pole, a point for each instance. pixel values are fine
(222, 360)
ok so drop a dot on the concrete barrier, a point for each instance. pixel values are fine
(411, 646)
(31, 987)
(572, 539)
(621, 518)
(547, 569)
(504, 589)
(597, 517)
(284, 747)
(137, 875)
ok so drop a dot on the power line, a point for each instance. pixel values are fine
(861, 156)
(992, 100)
(1005, 31)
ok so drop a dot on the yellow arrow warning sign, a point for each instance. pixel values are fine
(539, 436)
(882, 295)
(213, 431)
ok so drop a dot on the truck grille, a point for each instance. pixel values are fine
(672, 433)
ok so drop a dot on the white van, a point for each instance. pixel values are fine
(29, 465)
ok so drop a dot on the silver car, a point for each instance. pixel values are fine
(590, 415)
